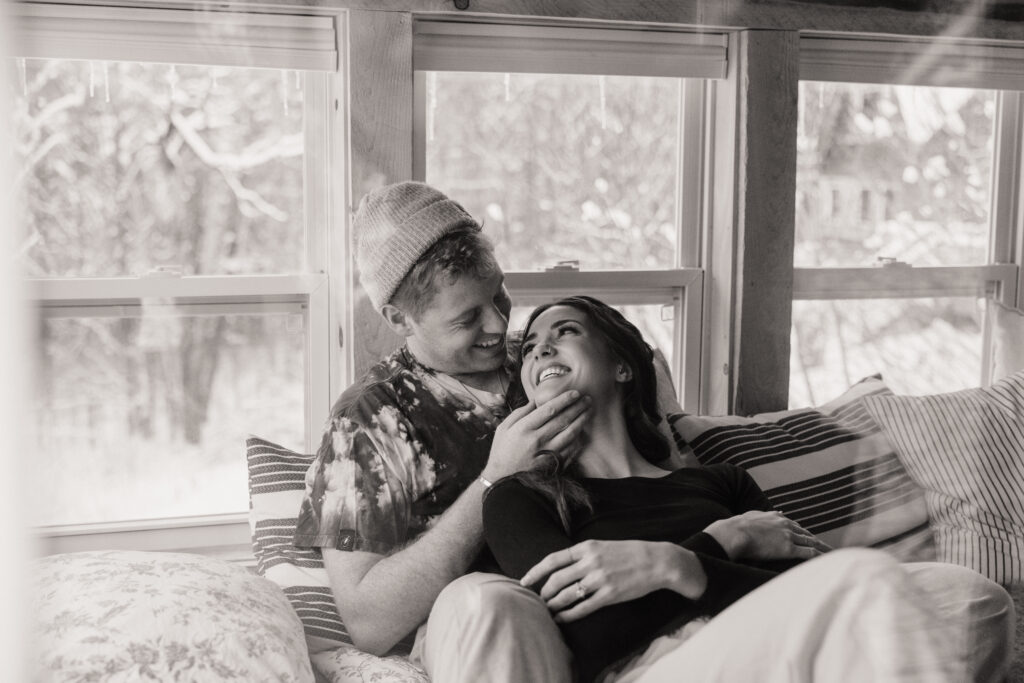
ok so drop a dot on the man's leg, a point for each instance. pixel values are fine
(850, 615)
(981, 609)
(486, 627)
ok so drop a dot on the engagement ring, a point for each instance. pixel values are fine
(581, 592)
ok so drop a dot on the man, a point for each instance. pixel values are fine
(394, 496)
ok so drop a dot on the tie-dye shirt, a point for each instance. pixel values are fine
(400, 447)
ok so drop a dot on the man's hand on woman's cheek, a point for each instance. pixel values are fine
(554, 426)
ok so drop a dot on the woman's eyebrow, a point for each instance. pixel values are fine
(531, 335)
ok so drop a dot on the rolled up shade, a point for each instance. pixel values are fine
(240, 39)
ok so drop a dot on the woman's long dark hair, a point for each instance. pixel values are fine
(554, 475)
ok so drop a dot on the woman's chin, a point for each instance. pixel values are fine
(544, 394)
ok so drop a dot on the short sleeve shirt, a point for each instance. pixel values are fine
(400, 447)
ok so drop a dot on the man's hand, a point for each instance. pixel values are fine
(593, 574)
(554, 426)
(758, 535)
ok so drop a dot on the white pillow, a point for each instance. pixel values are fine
(133, 616)
(966, 449)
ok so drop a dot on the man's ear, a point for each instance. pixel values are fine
(397, 319)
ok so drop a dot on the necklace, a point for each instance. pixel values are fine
(476, 398)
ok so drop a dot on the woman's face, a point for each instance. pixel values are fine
(563, 350)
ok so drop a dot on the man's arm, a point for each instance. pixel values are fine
(382, 598)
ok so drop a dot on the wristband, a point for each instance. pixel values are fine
(486, 482)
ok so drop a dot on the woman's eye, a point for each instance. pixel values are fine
(527, 348)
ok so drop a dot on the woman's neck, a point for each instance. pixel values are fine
(609, 453)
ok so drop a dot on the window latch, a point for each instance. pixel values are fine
(573, 266)
(889, 262)
(164, 272)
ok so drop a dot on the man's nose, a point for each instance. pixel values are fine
(494, 321)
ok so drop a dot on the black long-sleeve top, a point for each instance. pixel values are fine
(522, 527)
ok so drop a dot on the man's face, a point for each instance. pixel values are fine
(462, 331)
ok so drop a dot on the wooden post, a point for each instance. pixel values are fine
(768, 63)
(381, 122)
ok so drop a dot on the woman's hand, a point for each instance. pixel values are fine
(554, 426)
(593, 574)
(758, 535)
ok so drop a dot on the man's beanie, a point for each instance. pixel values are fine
(394, 226)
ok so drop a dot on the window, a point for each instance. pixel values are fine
(582, 151)
(173, 189)
(904, 193)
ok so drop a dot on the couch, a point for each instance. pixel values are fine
(932, 477)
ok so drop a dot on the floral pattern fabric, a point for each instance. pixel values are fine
(146, 616)
(347, 664)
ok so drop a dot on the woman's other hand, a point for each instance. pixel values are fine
(593, 574)
(759, 535)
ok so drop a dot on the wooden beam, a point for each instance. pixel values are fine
(765, 204)
(986, 19)
(381, 99)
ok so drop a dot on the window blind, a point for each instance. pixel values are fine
(465, 46)
(912, 61)
(240, 39)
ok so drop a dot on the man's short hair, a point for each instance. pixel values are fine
(461, 252)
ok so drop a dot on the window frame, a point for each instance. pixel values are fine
(951, 63)
(440, 46)
(308, 292)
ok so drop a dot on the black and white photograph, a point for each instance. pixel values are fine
(512, 341)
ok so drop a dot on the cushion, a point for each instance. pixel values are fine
(966, 448)
(1007, 340)
(131, 616)
(831, 469)
(276, 486)
(346, 664)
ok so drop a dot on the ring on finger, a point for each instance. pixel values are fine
(581, 590)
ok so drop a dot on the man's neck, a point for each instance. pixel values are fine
(493, 381)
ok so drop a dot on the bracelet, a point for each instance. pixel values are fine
(486, 482)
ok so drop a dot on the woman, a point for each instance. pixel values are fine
(621, 620)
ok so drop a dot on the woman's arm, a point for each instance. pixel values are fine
(757, 532)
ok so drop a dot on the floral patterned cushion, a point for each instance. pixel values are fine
(129, 616)
(346, 664)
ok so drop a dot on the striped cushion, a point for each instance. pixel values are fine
(830, 469)
(276, 485)
(967, 450)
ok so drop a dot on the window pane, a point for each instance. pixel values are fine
(893, 171)
(921, 346)
(649, 319)
(128, 166)
(146, 417)
(560, 167)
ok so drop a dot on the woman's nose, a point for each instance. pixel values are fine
(543, 349)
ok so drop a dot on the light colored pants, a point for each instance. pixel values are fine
(851, 615)
(848, 616)
(486, 627)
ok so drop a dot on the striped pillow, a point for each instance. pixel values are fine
(830, 469)
(277, 481)
(966, 449)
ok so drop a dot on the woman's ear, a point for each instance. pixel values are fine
(623, 373)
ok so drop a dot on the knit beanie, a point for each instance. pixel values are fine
(393, 227)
